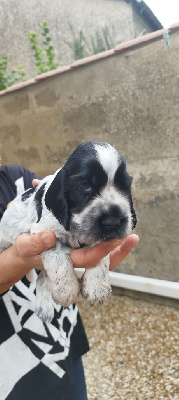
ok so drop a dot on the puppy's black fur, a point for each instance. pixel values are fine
(80, 181)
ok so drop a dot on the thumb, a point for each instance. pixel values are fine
(28, 245)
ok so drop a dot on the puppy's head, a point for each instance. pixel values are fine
(91, 195)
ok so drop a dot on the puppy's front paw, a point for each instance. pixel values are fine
(95, 294)
(44, 304)
(95, 283)
(44, 310)
(65, 293)
(63, 282)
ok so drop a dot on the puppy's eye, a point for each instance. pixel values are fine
(86, 187)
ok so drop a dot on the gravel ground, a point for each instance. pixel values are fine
(134, 350)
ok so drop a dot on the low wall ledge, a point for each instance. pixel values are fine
(121, 48)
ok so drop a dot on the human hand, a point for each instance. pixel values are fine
(29, 247)
(119, 249)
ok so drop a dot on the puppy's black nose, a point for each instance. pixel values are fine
(110, 222)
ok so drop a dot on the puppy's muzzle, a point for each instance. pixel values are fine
(113, 226)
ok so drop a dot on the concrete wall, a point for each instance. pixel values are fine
(140, 26)
(131, 100)
(17, 18)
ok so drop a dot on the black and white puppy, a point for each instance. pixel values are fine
(85, 202)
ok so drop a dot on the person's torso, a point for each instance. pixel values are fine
(35, 357)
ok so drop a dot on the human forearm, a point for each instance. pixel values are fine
(12, 268)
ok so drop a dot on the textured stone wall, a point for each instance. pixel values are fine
(130, 100)
(17, 18)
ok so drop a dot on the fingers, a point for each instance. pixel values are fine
(31, 245)
(120, 252)
(89, 257)
(35, 182)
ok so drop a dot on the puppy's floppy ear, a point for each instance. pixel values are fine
(133, 213)
(134, 218)
(55, 200)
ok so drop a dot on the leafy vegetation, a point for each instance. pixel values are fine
(9, 79)
(101, 41)
(44, 56)
(78, 44)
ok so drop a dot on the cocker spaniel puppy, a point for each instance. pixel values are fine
(85, 202)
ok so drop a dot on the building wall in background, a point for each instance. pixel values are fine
(140, 25)
(130, 100)
(18, 18)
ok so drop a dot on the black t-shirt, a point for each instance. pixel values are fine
(36, 358)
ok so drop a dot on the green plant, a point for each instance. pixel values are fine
(101, 41)
(78, 44)
(45, 57)
(9, 79)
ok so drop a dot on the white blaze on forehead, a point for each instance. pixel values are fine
(109, 159)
